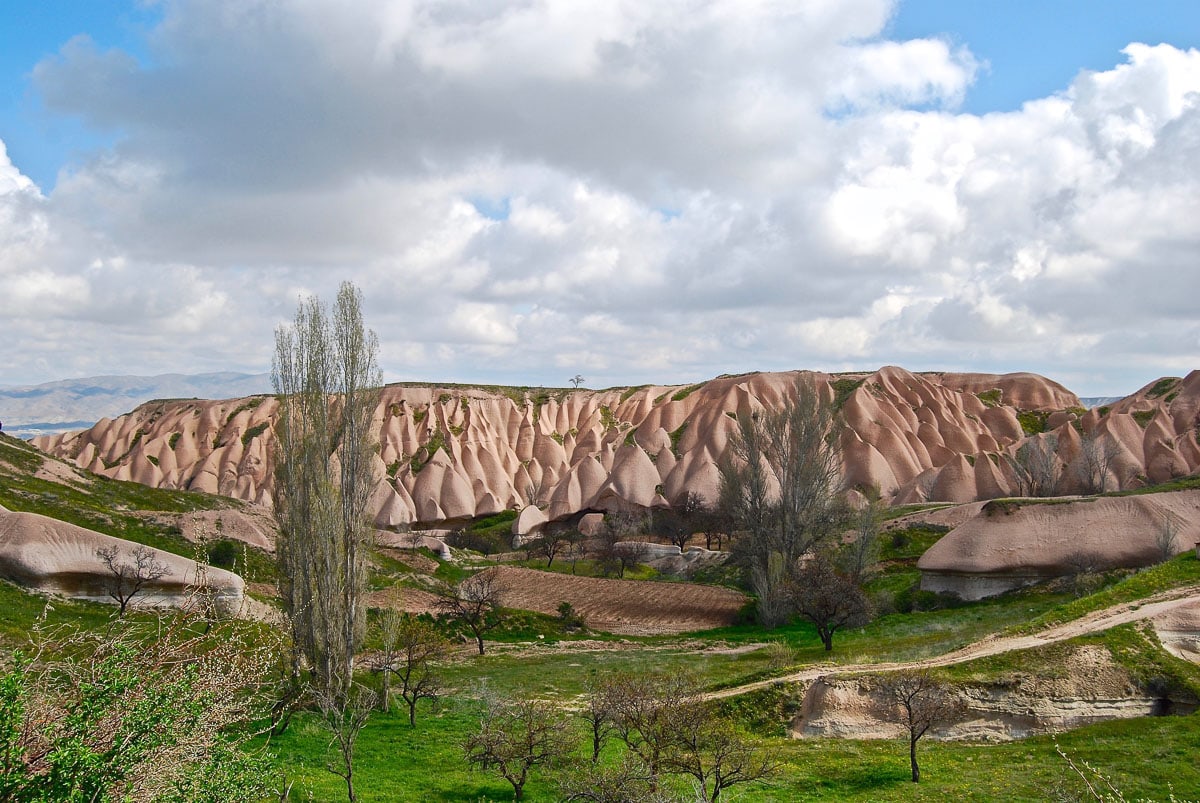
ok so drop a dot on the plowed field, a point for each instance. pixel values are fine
(628, 607)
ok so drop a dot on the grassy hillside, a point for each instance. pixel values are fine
(126, 510)
(533, 653)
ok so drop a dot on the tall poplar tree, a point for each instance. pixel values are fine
(327, 379)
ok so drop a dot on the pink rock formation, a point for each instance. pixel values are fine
(53, 556)
(1010, 543)
(448, 453)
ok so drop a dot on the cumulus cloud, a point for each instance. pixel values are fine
(638, 192)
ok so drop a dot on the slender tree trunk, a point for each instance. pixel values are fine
(412, 713)
(479, 639)
(912, 758)
(350, 784)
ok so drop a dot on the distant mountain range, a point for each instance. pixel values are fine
(1099, 401)
(71, 404)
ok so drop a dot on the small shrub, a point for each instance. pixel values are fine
(253, 432)
(487, 543)
(991, 398)
(1162, 387)
(625, 396)
(914, 599)
(570, 618)
(677, 436)
(1033, 422)
(223, 554)
(843, 389)
(1144, 417)
(780, 655)
(1001, 507)
(688, 391)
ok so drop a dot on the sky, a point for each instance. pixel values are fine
(634, 192)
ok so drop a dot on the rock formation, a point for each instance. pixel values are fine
(53, 556)
(1011, 543)
(453, 452)
(1087, 686)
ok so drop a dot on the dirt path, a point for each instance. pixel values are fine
(1104, 619)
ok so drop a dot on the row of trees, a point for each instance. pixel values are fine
(663, 724)
(664, 727)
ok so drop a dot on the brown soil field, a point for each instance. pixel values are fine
(627, 607)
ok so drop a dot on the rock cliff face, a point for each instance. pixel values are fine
(1088, 686)
(448, 453)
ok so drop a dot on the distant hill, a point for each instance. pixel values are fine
(70, 404)
(1099, 401)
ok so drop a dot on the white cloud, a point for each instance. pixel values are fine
(668, 192)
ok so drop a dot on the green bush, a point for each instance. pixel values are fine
(223, 554)
(915, 599)
(1033, 422)
(487, 542)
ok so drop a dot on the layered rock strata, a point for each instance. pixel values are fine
(1089, 687)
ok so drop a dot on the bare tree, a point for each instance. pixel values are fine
(344, 713)
(618, 551)
(717, 755)
(1036, 466)
(828, 599)
(1093, 466)
(409, 650)
(918, 701)
(127, 578)
(1166, 538)
(650, 710)
(599, 712)
(861, 553)
(475, 602)
(327, 381)
(679, 522)
(1084, 567)
(577, 380)
(515, 736)
(612, 783)
(575, 547)
(780, 483)
(549, 545)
